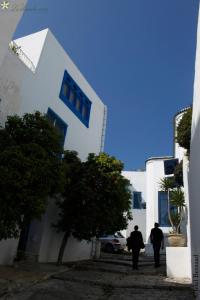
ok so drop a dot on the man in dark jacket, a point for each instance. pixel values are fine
(135, 243)
(157, 241)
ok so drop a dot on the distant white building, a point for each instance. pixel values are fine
(145, 186)
(138, 190)
(39, 75)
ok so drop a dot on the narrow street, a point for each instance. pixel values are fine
(109, 278)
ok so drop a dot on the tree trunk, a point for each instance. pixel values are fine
(181, 218)
(169, 212)
(62, 248)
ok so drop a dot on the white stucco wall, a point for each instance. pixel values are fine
(194, 172)
(154, 173)
(8, 249)
(9, 19)
(138, 184)
(178, 262)
(21, 91)
(51, 241)
(41, 90)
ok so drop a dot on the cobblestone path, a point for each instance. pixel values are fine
(110, 278)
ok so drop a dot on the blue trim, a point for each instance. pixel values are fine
(137, 200)
(84, 102)
(54, 117)
(162, 196)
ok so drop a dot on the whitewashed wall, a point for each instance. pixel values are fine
(9, 19)
(43, 91)
(21, 91)
(8, 23)
(154, 173)
(194, 172)
(138, 184)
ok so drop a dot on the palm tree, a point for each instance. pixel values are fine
(175, 196)
(167, 184)
(178, 200)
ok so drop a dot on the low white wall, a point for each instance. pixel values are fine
(8, 249)
(51, 240)
(178, 261)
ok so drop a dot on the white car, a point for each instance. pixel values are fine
(113, 243)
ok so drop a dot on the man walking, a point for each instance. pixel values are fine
(135, 243)
(157, 240)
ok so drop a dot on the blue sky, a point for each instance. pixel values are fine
(138, 55)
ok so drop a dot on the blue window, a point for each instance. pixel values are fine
(163, 209)
(169, 166)
(75, 99)
(58, 123)
(137, 200)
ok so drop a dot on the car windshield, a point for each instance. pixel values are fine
(118, 235)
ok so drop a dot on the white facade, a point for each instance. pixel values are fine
(177, 261)
(9, 19)
(22, 90)
(31, 81)
(194, 173)
(138, 184)
(155, 172)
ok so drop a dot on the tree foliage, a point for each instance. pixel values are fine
(30, 170)
(183, 135)
(178, 174)
(96, 199)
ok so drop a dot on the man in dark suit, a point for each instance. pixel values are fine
(157, 241)
(135, 243)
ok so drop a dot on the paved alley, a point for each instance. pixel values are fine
(109, 278)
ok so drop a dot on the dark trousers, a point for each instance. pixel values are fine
(135, 256)
(156, 248)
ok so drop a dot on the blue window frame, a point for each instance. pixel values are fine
(58, 123)
(169, 166)
(163, 209)
(137, 200)
(75, 99)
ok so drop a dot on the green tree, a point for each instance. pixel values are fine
(178, 174)
(30, 170)
(183, 135)
(96, 199)
(177, 199)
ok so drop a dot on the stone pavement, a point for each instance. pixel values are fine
(109, 278)
(24, 275)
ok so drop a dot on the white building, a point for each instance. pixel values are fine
(147, 185)
(194, 173)
(41, 76)
(8, 23)
(9, 18)
(138, 190)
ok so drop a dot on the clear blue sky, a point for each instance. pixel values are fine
(139, 57)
